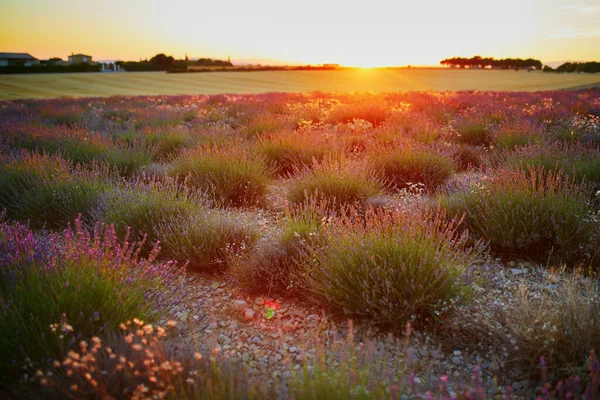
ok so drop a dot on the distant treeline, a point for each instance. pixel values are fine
(162, 62)
(257, 69)
(589, 67)
(40, 69)
(487, 62)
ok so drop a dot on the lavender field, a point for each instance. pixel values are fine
(459, 231)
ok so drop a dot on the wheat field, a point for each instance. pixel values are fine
(376, 80)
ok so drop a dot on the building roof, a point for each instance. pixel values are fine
(17, 56)
(80, 55)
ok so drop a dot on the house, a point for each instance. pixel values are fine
(80, 59)
(17, 59)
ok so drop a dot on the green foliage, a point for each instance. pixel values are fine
(229, 176)
(574, 160)
(48, 278)
(47, 191)
(560, 325)
(531, 213)
(289, 154)
(473, 133)
(206, 238)
(129, 158)
(517, 134)
(394, 267)
(139, 207)
(280, 264)
(467, 156)
(169, 145)
(372, 112)
(411, 166)
(337, 182)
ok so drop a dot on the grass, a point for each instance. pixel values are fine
(157, 83)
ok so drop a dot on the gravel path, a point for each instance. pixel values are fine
(271, 336)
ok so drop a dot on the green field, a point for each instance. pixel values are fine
(381, 80)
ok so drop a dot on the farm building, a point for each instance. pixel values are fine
(17, 59)
(80, 59)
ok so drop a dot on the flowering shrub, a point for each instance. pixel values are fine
(574, 160)
(47, 191)
(338, 182)
(410, 166)
(533, 213)
(230, 176)
(290, 153)
(395, 266)
(89, 277)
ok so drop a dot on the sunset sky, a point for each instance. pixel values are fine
(359, 33)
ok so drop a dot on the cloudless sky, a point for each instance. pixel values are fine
(363, 33)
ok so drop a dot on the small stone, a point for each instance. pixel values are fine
(293, 349)
(183, 316)
(245, 357)
(249, 314)
(516, 271)
(214, 285)
(256, 340)
(222, 339)
(212, 325)
(289, 327)
(259, 301)
(456, 374)
(240, 306)
(517, 385)
(457, 353)
(456, 360)
(494, 366)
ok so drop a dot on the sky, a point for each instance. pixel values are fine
(357, 33)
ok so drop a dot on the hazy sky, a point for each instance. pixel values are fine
(364, 33)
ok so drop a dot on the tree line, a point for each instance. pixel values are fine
(489, 62)
(589, 67)
(162, 62)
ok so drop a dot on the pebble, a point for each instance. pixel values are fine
(222, 339)
(249, 314)
(215, 285)
(259, 301)
(240, 306)
(256, 340)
